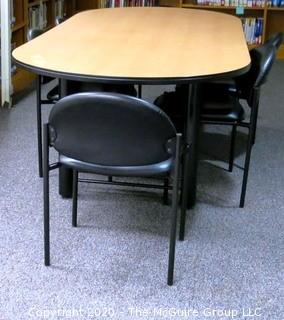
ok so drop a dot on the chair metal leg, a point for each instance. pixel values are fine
(232, 147)
(174, 214)
(184, 193)
(246, 167)
(139, 91)
(255, 124)
(166, 191)
(185, 189)
(39, 124)
(46, 198)
(75, 198)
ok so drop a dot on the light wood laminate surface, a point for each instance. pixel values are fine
(140, 43)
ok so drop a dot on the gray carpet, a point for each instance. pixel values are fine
(114, 265)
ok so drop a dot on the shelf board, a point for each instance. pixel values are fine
(36, 3)
(18, 26)
(252, 46)
(201, 6)
(275, 8)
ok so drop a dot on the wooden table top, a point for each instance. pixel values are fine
(139, 43)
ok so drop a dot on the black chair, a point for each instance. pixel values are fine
(71, 88)
(224, 107)
(111, 134)
(230, 84)
(52, 97)
(53, 94)
(234, 87)
(276, 40)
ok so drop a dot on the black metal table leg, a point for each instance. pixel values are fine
(39, 124)
(65, 174)
(191, 135)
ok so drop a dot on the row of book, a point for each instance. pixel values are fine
(253, 29)
(59, 8)
(38, 14)
(126, 3)
(275, 3)
(234, 3)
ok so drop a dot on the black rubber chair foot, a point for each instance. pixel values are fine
(170, 282)
(47, 263)
(181, 236)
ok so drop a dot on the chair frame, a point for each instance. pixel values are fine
(47, 167)
(251, 126)
(32, 34)
(252, 97)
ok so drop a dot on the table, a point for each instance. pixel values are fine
(142, 46)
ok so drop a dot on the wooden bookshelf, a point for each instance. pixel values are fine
(20, 28)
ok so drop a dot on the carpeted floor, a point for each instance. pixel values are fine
(114, 265)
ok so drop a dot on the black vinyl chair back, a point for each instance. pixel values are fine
(111, 130)
(59, 20)
(276, 39)
(262, 59)
(33, 33)
(108, 133)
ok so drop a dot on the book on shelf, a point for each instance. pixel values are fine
(38, 16)
(126, 3)
(59, 9)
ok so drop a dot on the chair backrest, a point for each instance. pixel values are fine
(59, 20)
(111, 129)
(262, 59)
(33, 33)
(276, 40)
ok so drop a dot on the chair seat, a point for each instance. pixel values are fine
(224, 108)
(126, 171)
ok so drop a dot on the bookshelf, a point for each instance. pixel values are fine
(22, 16)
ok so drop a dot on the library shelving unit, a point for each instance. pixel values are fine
(33, 13)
